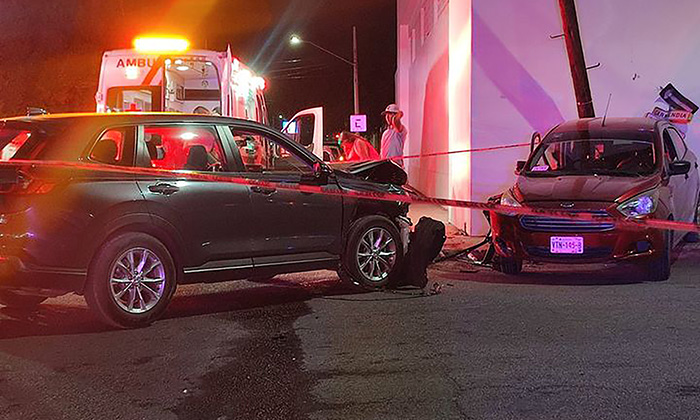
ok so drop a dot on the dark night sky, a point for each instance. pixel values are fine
(51, 49)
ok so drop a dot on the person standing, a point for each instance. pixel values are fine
(394, 137)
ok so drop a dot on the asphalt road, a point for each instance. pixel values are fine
(593, 343)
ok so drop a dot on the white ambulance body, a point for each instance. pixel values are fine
(196, 81)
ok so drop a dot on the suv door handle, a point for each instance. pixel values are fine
(162, 188)
(263, 190)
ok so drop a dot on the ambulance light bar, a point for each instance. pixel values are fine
(161, 44)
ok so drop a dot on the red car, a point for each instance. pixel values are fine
(631, 168)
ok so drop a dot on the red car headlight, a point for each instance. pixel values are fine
(641, 205)
(508, 199)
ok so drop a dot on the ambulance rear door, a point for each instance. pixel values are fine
(306, 128)
(130, 82)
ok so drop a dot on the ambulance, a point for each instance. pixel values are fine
(162, 74)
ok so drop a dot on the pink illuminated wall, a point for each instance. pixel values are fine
(460, 98)
(422, 79)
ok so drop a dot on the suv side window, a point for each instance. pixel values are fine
(669, 149)
(114, 147)
(184, 148)
(678, 143)
(261, 153)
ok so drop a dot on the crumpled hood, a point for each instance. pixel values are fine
(381, 171)
(581, 188)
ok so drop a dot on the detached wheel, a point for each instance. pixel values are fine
(510, 266)
(659, 269)
(19, 301)
(373, 253)
(131, 280)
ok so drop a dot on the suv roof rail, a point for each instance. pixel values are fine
(32, 110)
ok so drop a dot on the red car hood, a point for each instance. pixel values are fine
(581, 188)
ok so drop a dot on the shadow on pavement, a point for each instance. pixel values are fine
(56, 319)
(561, 275)
(548, 275)
(270, 293)
(48, 320)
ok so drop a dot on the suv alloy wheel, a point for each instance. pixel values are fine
(131, 280)
(373, 253)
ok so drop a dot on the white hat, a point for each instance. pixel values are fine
(392, 109)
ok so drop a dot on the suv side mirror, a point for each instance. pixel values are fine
(681, 167)
(321, 174)
(519, 166)
(318, 170)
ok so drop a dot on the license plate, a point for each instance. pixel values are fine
(566, 245)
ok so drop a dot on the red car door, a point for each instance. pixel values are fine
(692, 182)
(679, 185)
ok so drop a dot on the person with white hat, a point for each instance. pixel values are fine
(394, 136)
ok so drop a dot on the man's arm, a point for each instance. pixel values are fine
(397, 122)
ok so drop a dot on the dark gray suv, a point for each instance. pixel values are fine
(121, 208)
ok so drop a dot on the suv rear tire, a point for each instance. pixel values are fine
(131, 280)
(373, 253)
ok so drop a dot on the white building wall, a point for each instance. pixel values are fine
(517, 80)
(521, 83)
(642, 45)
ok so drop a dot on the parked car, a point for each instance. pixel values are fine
(125, 239)
(629, 168)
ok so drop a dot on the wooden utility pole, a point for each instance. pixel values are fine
(574, 48)
(355, 71)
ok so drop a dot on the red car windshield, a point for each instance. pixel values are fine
(614, 157)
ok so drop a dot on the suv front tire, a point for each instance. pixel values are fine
(373, 253)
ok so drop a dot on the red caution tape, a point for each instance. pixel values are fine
(454, 152)
(625, 223)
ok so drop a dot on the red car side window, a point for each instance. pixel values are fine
(678, 143)
(669, 149)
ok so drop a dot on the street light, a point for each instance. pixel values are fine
(295, 40)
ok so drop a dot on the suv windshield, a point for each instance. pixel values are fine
(615, 157)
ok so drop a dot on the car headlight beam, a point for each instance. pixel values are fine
(640, 205)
